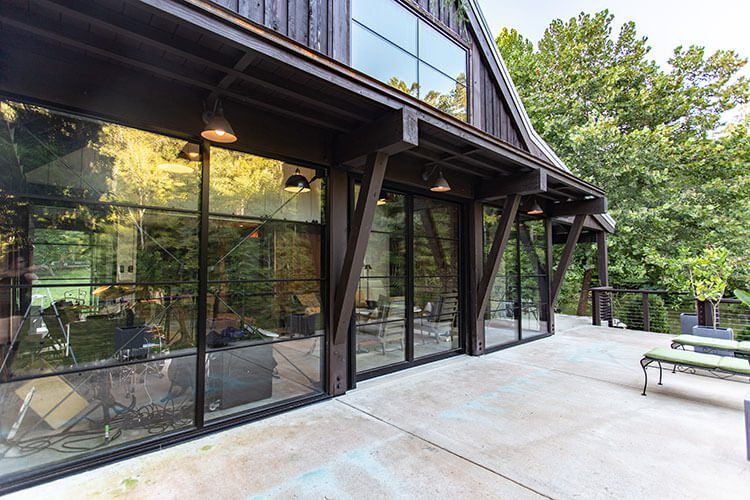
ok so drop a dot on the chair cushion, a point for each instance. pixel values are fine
(744, 346)
(695, 340)
(684, 357)
(735, 365)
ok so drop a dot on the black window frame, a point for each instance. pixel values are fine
(441, 31)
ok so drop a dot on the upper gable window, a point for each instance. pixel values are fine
(392, 44)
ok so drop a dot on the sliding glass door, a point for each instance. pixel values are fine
(380, 312)
(407, 303)
(519, 299)
(435, 271)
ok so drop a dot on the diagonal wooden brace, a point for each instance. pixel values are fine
(507, 220)
(567, 256)
(364, 214)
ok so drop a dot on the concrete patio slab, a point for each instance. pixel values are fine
(561, 418)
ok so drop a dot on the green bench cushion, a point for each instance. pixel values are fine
(744, 346)
(684, 357)
(735, 365)
(711, 361)
(695, 340)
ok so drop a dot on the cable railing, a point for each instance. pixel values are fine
(640, 309)
(660, 311)
(735, 315)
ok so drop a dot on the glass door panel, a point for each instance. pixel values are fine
(533, 278)
(435, 272)
(380, 314)
(501, 319)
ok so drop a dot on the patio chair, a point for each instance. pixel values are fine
(439, 323)
(388, 326)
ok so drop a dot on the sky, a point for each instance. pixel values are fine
(714, 24)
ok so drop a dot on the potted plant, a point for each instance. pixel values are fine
(709, 275)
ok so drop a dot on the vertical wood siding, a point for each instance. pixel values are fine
(445, 13)
(322, 25)
(493, 114)
(325, 26)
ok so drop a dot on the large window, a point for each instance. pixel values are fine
(265, 313)
(99, 229)
(393, 45)
(100, 265)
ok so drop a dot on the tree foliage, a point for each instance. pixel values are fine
(677, 177)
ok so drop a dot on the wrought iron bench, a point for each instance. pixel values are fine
(720, 366)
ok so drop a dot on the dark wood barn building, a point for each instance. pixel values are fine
(216, 211)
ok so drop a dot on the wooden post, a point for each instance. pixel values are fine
(476, 256)
(602, 253)
(646, 312)
(549, 254)
(337, 217)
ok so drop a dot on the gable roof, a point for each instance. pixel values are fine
(537, 145)
(497, 66)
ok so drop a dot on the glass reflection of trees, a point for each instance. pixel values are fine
(451, 100)
(99, 266)
(393, 45)
(98, 227)
(264, 271)
(98, 280)
(519, 300)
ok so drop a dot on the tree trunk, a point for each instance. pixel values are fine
(583, 300)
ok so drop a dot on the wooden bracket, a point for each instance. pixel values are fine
(500, 187)
(395, 132)
(582, 207)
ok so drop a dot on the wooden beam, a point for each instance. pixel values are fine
(395, 132)
(475, 256)
(490, 167)
(580, 207)
(359, 236)
(562, 238)
(421, 154)
(502, 235)
(86, 43)
(500, 187)
(567, 256)
(226, 82)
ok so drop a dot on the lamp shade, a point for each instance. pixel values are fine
(440, 185)
(190, 151)
(535, 209)
(218, 129)
(297, 183)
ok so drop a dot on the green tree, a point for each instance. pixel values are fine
(676, 177)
